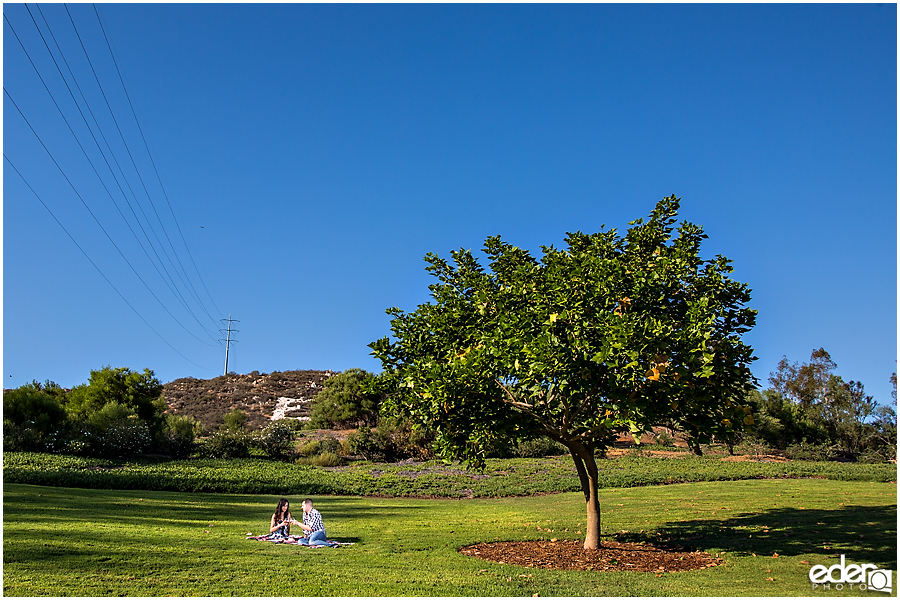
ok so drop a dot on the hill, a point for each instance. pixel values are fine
(262, 396)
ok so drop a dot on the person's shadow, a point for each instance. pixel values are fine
(865, 534)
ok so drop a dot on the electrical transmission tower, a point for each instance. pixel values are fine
(228, 341)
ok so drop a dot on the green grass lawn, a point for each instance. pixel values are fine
(63, 541)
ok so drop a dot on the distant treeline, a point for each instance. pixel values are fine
(807, 412)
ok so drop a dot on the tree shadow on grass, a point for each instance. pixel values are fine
(58, 506)
(863, 533)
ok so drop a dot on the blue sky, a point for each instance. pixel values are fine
(313, 154)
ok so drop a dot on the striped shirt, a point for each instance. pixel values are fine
(313, 519)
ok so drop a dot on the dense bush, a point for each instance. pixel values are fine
(124, 438)
(322, 452)
(540, 447)
(276, 439)
(21, 438)
(310, 448)
(117, 414)
(235, 421)
(806, 451)
(35, 404)
(32, 415)
(116, 431)
(179, 435)
(140, 392)
(226, 444)
(329, 444)
(391, 441)
(372, 444)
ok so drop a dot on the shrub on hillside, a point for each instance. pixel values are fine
(326, 459)
(814, 452)
(372, 444)
(226, 444)
(329, 444)
(410, 442)
(540, 447)
(276, 439)
(390, 442)
(179, 434)
(322, 452)
(235, 421)
(310, 448)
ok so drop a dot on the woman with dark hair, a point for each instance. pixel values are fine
(280, 526)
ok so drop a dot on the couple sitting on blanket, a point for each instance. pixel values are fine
(282, 520)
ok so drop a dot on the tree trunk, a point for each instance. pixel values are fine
(587, 474)
(694, 445)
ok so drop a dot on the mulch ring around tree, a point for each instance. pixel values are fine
(570, 555)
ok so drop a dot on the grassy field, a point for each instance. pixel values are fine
(62, 541)
(502, 477)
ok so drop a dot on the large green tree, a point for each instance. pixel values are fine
(139, 391)
(345, 399)
(612, 334)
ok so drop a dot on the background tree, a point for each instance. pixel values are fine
(141, 392)
(613, 334)
(804, 384)
(883, 438)
(346, 399)
(810, 405)
(780, 422)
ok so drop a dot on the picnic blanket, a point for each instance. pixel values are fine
(295, 541)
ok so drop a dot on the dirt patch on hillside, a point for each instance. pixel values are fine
(570, 555)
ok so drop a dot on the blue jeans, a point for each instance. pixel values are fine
(316, 538)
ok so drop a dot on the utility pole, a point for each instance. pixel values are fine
(228, 341)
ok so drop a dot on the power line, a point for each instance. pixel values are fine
(153, 163)
(96, 267)
(137, 171)
(167, 278)
(173, 290)
(50, 154)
